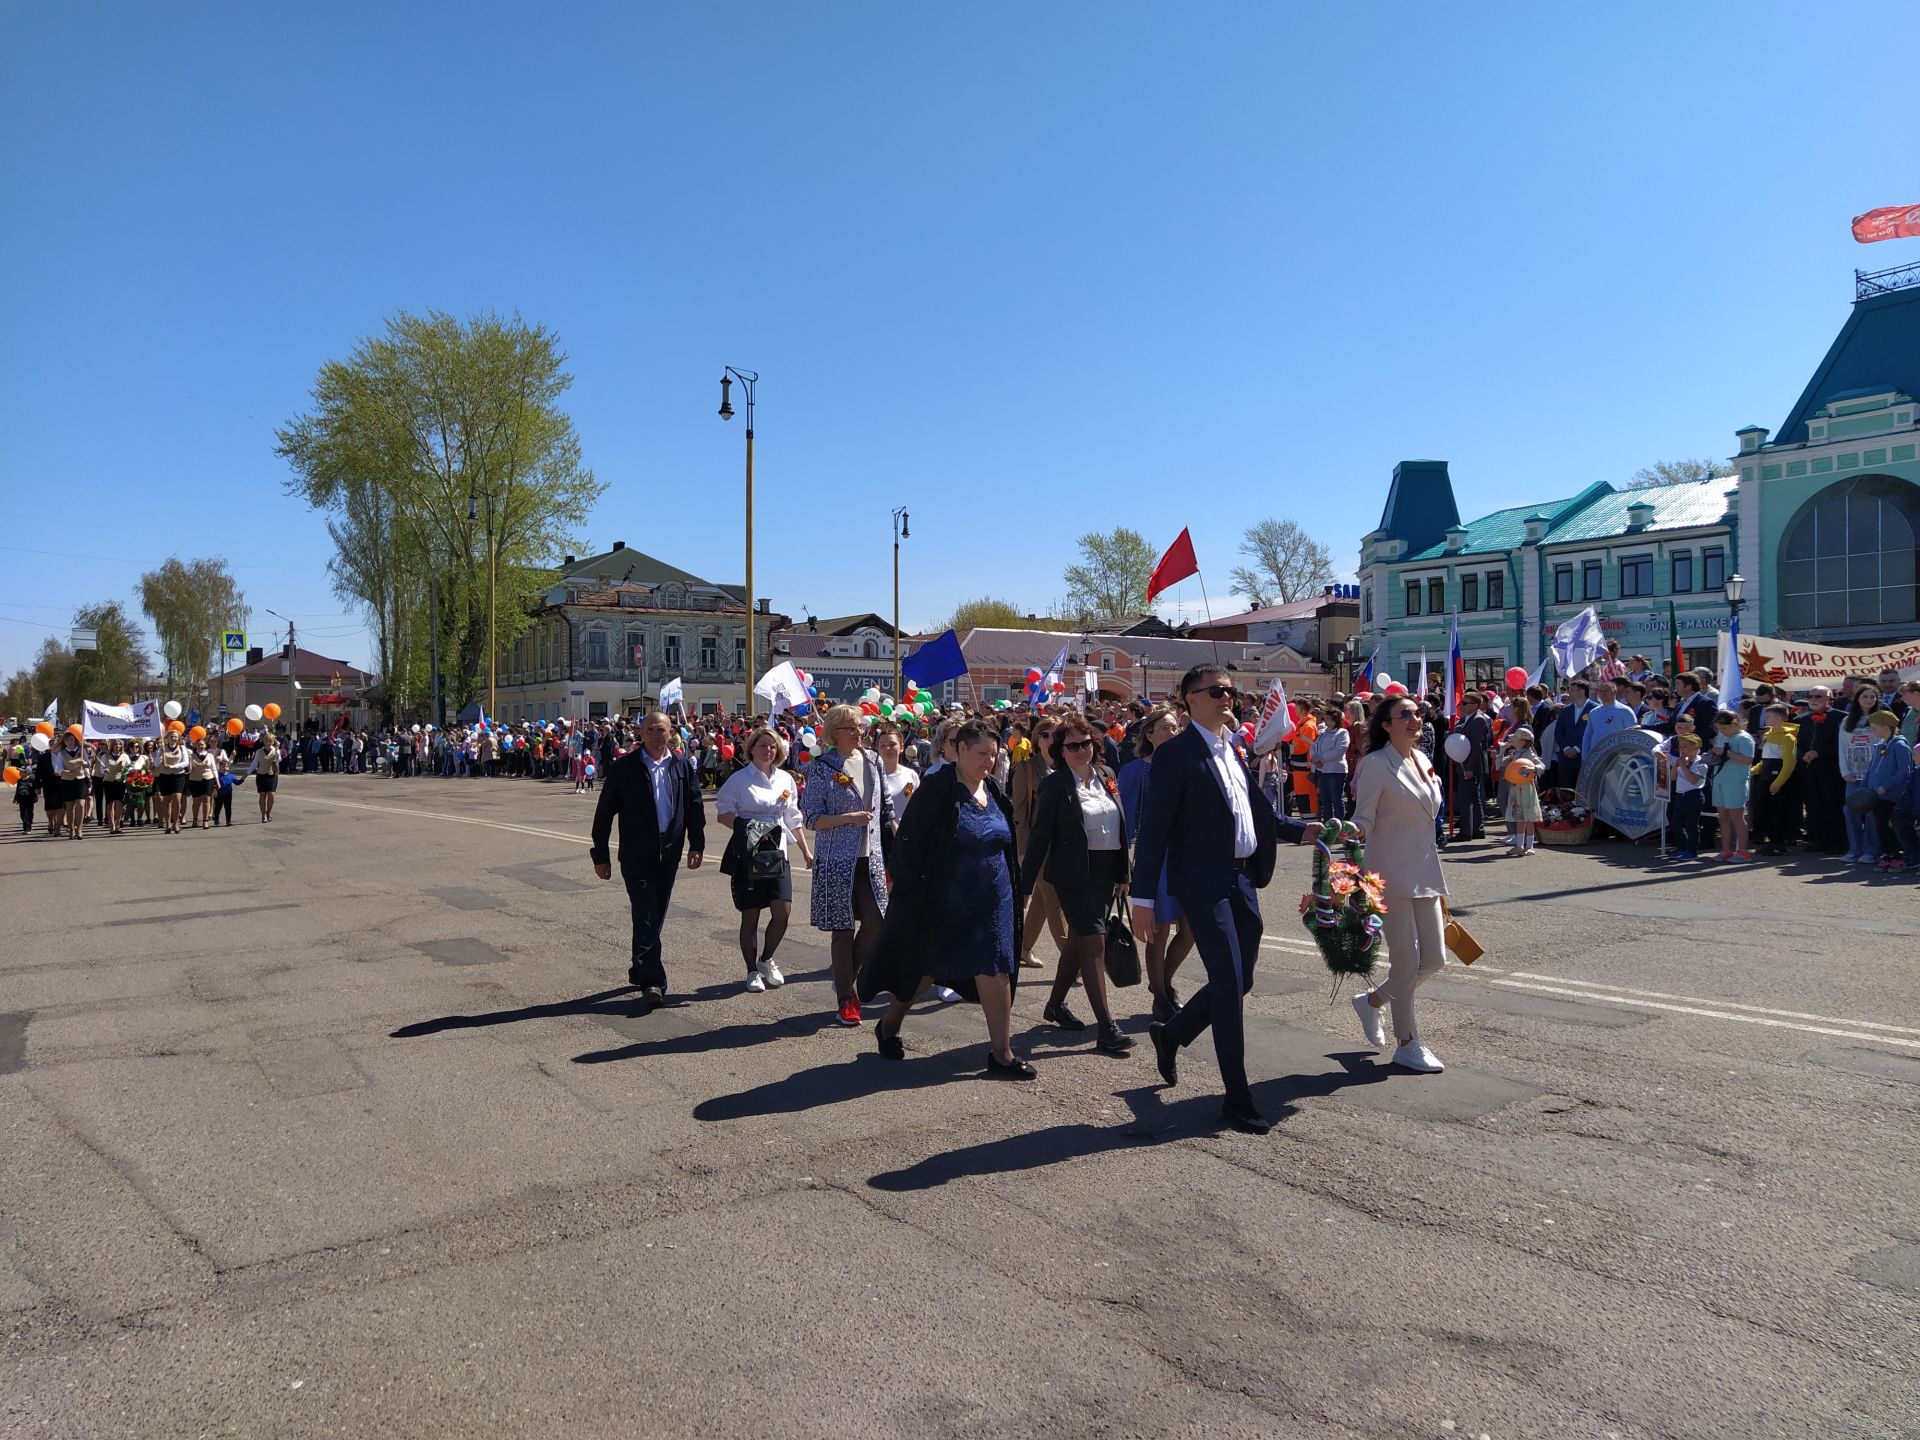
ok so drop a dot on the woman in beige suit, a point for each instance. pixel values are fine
(1396, 796)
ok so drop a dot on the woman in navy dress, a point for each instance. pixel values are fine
(955, 891)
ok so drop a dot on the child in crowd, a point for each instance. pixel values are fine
(1520, 766)
(1685, 771)
(1889, 774)
(1775, 794)
(223, 793)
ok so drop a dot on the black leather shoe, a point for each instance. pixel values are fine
(1243, 1117)
(1165, 1053)
(1062, 1018)
(1111, 1042)
(1018, 1070)
(652, 998)
(1163, 1008)
(890, 1045)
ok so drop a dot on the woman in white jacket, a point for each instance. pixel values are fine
(1396, 797)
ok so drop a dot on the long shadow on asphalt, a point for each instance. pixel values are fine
(704, 1042)
(622, 1003)
(1154, 1120)
(865, 1074)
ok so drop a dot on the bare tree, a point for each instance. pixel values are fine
(1678, 472)
(1288, 564)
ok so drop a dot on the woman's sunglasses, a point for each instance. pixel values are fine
(1081, 744)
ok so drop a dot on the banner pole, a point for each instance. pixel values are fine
(1208, 604)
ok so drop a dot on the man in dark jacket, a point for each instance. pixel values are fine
(1470, 785)
(1819, 768)
(656, 796)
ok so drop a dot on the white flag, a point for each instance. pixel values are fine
(782, 688)
(671, 694)
(1578, 642)
(52, 714)
(1275, 726)
(1420, 690)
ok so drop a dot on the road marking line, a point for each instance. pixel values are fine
(456, 819)
(1723, 1004)
(1635, 1002)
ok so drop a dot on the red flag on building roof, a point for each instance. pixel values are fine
(1888, 223)
(1176, 565)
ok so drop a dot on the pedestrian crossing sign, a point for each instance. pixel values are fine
(234, 642)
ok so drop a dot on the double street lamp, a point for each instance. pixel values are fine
(748, 380)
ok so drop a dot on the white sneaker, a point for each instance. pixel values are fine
(943, 994)
(756, 983)
(769, 975)
(1371, 1024)
(1416, 1057)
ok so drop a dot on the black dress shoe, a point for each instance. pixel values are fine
(1163, 1009)
(1165, 1053)
(1242, 1116)
(890, 1045)
(1018, 1070)
(1062, 1018)
(1111, 1042)
(652, 998)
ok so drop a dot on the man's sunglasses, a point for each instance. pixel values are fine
(1081, 744)
(1218, 692)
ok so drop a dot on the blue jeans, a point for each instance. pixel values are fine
(1863, 836)
(1333, 794)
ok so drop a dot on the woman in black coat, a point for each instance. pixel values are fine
(952, 913)
(1079, 844)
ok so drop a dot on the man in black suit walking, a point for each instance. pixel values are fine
(1215, 831)
(656, 794)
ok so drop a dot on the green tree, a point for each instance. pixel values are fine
(1110, 581)
(1288, 564)
(114, 668)
(1678, 472)
(990, 614)
(190, 603)
(439, 448)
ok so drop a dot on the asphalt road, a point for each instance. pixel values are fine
(346, 1126)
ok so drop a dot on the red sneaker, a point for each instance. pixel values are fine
(850, 1013)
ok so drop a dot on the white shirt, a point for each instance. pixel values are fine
(1233, 782)
(755, 796)
(1100, 815)
(658, 771)
(900, 787)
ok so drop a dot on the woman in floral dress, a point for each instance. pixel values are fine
(844, 801)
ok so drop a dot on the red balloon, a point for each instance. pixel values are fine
(1033, 675)
(1517, 678)
(1394, 687)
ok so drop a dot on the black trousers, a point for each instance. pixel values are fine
(1825, 795)
(1683, 820)
(649, 888)
(1470, 803)
(26, 815)
(223, 803)
(1776, 817)
(1227, 933)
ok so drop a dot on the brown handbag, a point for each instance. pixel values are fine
(1465, 948)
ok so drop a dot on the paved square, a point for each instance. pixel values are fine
(348, 1125)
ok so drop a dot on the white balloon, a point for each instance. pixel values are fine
(1458, 748)
(254, 712)
(40, 742)
(171, 709)
(416, 729)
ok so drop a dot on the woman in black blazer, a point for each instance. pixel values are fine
(1078, 844)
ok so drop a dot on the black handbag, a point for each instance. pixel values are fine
(1123, 954)
(765, 862)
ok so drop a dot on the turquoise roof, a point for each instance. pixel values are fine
(1597, 513)
(1501, 531)
(1675, 507)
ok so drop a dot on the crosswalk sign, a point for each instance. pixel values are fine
(234, 642)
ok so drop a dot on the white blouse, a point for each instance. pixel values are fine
(1100, 814)
(757, 797)
(900, 787)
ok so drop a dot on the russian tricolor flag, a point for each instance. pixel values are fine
(1456, 672)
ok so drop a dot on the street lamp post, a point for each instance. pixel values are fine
(748, 380)
(493, 706)
(900, 532)
(1338, 656)
(1735, 590)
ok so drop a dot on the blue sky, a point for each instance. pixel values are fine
(1027, 268)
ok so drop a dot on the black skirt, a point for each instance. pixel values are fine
(266, 784)
(72, 792)
(751, 894)
(199, 789)
(169, 784)
(1085, 907)
(114, 791)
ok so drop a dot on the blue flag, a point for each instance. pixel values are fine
(937, 660)
(1732, 683)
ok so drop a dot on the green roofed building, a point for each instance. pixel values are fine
(1821, 523)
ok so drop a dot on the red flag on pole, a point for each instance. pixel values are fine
(1889, 223)
(1176, 565)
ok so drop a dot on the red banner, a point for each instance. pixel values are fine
(1176, 565)
(1891, 223)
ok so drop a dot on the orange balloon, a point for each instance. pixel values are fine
(44, 728)
(177, 727)
(76, 732)
(197, 734)
(1519, 772)
(10, 775)
(270, 710)
(234, 726)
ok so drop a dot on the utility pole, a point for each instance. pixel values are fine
(748, 379)
(900, 532)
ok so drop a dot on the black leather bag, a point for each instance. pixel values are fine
(1123, 954)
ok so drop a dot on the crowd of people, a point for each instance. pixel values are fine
(183, 780)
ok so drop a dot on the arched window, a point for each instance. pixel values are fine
(870, 649)
(1848, 559)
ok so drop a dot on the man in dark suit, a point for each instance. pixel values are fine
(1214, 830)
(656, 794)
(1471, 774)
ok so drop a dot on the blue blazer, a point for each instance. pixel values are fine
(1187, 826)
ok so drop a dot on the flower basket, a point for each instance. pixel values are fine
(1343, 910)
(1563, 819)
